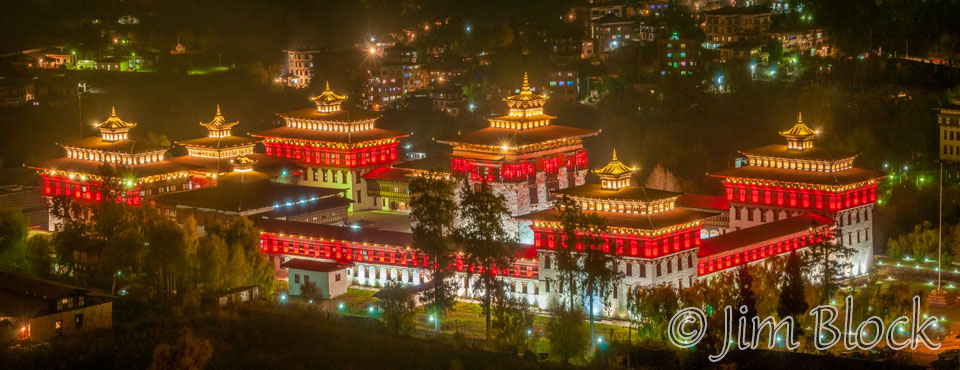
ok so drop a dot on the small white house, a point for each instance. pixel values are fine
(331, 278)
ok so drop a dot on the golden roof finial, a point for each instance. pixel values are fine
(614, 154)
(526, 82)
(218, 110)
(113, 111)
(328, 86)
(799, 117)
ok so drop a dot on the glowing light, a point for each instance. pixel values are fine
(372, 50)
(341, 306)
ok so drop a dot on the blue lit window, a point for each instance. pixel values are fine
(561, 83)
(683, 55)
(669, 55)
(569, 83)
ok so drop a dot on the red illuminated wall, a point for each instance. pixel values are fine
(491, 171)
(321, 155)
(628, 245)
(722, 261)
(800, 198)
(293, 246)
(87, 191)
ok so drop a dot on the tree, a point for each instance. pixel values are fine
(662, 179)
(652, 307)
(484, 239)
(433, 210)
(894, 251)
(310, 291)
(827, 259)
(512, 319)
(745, 296)
(792, 302)
(167, 254)
(210, 260)
(590, 260)
(244, 263)
(13, 240)
(40, 255)
(566, 333)
(397, 307)
(188, 353)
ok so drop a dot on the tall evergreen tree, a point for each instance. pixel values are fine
(827, 259)
(745, 296)
(792, 302)
(433, 210)
(484, 239)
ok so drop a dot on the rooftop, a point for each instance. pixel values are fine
(22, 295)
(341, 233)
(647, 222)
(838, 178)
(390, 174)
(314, 265)
(495, 136)
(330, 136)
(702, 202)
(119, 146)
(251, 196)
(760, 234)
(782, 151)
(635, 193)
(219, 142)
(93, 167)
(338, 116)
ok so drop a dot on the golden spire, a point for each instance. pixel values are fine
(615, 167)
(328, 86)
(218, 109)
(526, 83)
(799, 129)
(113, 111)
(615, 155)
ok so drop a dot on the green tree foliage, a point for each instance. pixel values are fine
(512, 318)
(188, 353)
(484, 239)
(13, 240)
(567, 334)
(921, 242)
(244, 263)
(433, 210)
(211, 262)
(310, 291)
(827, 260)
(792, 302)
(397, 308)
(586, 257)
(652, 307)
(745, 295)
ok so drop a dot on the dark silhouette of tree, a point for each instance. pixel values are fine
(188, 353)
(433, 211)
(397, 308)
(793, 302)
(487, 244)
(826, 260)
(566, 334)
(512, 318)
(745, 296)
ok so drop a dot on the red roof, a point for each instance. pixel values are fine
(388, 238)
(761, 234)
(702, 202)
(390, 174)
(314, 265)
(838, 178)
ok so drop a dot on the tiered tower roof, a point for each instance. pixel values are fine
(800, 163)
(218, 126)
(615, 175)
(526, 128)
(114, 129)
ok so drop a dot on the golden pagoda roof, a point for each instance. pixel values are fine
(114, 122)
(614, 168)
(799, 129)
(525, 94)
(327, 96)
(219, 121)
